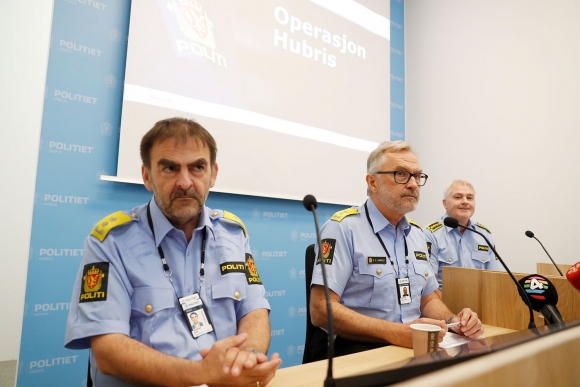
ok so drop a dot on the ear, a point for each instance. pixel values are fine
(445, 203)
(214, 173)
(372, 183)
(146, 178)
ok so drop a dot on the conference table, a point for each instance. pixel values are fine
(390, 357)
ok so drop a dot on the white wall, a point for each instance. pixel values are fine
(25, 31)
(493, 96)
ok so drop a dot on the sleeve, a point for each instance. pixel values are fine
(494, 263)
(100, 301)
(337, 249)
(433, 251)
(255, 291)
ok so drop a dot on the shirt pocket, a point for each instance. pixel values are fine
(481, 257)
(376, 285)
(146, 305)
(447, 258)
(227, 295)
(420, 275)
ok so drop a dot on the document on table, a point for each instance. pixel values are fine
(453, 340)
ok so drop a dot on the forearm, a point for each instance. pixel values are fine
(257, 325)
(348, 323)
(433, 307)
(129, 360)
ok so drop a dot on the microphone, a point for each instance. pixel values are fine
(310, 204)
(543, 297)
(530, 234)
(573, 275)
(454, 223)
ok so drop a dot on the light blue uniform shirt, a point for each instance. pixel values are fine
(142, 304)
(451, 248)
(370, 288)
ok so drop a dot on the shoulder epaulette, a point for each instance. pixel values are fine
(434, 226)
(109, 222)
(233, 218)
(413, 223)
(483, 227)
(340, 215)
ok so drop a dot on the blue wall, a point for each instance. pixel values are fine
(79, 142)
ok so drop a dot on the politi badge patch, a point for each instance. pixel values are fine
(232, 267)
(94, 283)
(327, 251)
(251, 271)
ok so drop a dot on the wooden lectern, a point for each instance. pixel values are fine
(495, 299)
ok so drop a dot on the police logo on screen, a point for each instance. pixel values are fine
(94, 283)
(327, 251)
(251, 271)
(197, 27)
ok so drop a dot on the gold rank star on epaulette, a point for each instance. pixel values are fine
(109, 222)
(340, 215)
(434, 226)
(483, 227)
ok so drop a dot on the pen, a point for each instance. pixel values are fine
(452, 325)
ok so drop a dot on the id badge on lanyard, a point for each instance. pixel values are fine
(195, 315)
(404, 290)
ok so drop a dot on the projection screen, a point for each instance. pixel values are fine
(295, 92)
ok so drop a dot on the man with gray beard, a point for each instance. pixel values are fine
(373, 254)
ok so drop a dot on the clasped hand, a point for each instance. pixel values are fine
(229, 364)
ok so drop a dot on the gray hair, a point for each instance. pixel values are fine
(379, 155)
(457, 182)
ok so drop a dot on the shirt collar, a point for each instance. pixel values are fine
(163, 226)
(380, 222)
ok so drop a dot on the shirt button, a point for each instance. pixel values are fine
(379, 271)
(214, 213)
(134, 215)
(148, 308)
(189, 289)
(426, 274)
(450, 260)
(237, 295)
(482, 259)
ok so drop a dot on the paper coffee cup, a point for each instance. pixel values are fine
(425, 338)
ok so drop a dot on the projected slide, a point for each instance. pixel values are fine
(295, 92)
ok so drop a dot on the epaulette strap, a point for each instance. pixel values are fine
(109, 222)
(483, 227)
(413, 223)
(340, 215)
(234, 218)
(434, 226)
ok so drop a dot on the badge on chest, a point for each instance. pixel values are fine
(195, 315)
(404, 290)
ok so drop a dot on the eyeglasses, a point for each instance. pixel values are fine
(403, 177)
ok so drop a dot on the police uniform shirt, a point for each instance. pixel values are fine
(448, 247)
(135, 298)
(359, 270)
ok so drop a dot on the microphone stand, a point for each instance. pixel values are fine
(521, 290)
(310, 203)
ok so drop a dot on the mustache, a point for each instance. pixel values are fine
(190, 193)
(409, 192)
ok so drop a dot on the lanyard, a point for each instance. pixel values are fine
(385, 247)
(166, 270)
